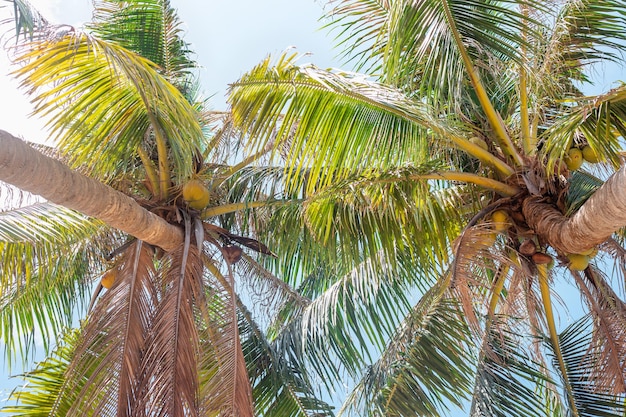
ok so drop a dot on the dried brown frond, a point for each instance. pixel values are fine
(169, 374)
(226, 389)
(103, 376)
(476, 260)
(608, 346)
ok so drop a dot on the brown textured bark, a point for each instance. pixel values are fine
(30, 170)
(594, 223)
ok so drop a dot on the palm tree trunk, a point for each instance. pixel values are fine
(601, 215)
(30, 170)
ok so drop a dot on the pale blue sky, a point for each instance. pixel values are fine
(229, 37)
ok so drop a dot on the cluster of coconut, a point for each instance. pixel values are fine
(501, 223)
(577, 261)
(575, 157)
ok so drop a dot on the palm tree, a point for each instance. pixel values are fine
(466, 156)
(151, 208)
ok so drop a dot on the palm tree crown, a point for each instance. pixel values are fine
(467, 144)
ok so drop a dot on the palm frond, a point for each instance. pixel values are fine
(102, 98)
(424, 370)
(581, 363)
(281, 386)
(415, 40)
(333, 120)
(109, 352)
(358, 35)
(582, 32)
(44, 385)
(598, 121)
(608, 343)
(171, 362)
(152, 30)
(397, 200)
(351, 315)
(479, 254)
(582, 185)
(506, 379)
(46, 273)
(225, 386)
(27, 20)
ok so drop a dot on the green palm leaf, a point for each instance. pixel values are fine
(599, 122)
(591, 402)
(46, 273)
(152, 30)
(39, 396)
(101, 99)
(415, 41)
(28, 20)
(583, 32)
(425, 368)
(506, 379)
(328, 106)
(281, 386)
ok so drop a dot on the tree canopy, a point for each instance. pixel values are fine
(400, 230)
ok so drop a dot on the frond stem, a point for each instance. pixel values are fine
(503, 271)
(466, 177)
(150, 170)
(233, 207)
(492, 115)
(482, 155)
(235, 168)
(164, 168)
(461, 142)
(547, 305)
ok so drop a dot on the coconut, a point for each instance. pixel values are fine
(591, 253)
(108, 279)
(196, 194)
(194, 190)
(500, 220)
(201, 203)
(578, 262)
(574, 159)
(527, 247)
(590, 155)
(542, 258)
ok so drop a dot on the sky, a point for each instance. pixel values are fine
(229, 38)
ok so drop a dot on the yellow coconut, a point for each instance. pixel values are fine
(590, 155)
(578, 262)
(108, 278)
(196, 194)
(201, 203)
(500, 220)
(194, 190)
(574, 159)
